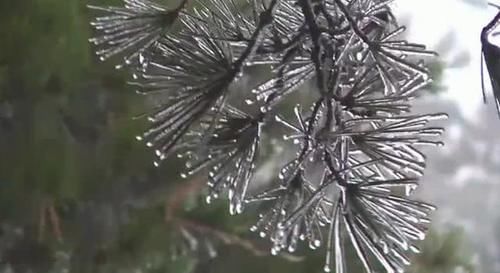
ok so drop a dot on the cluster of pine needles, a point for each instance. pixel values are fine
(358, 146)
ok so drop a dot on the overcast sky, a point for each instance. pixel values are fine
(432, 20)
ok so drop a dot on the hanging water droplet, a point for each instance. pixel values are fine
(413, 219)
(317, 243)
(232, 209)
(385, 247)
(239, 208)
(359, 56)
(414, 249)
(281, 233)
(409, 189)
(405, 245)
(424, 221)
(274, 251)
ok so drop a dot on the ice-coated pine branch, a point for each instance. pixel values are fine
(358, 148)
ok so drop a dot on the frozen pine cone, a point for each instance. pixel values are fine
(358, 146)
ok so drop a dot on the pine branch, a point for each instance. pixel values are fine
(356, 144)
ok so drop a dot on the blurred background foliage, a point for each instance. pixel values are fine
(79, 194)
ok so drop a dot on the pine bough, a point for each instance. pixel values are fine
(358, 156)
